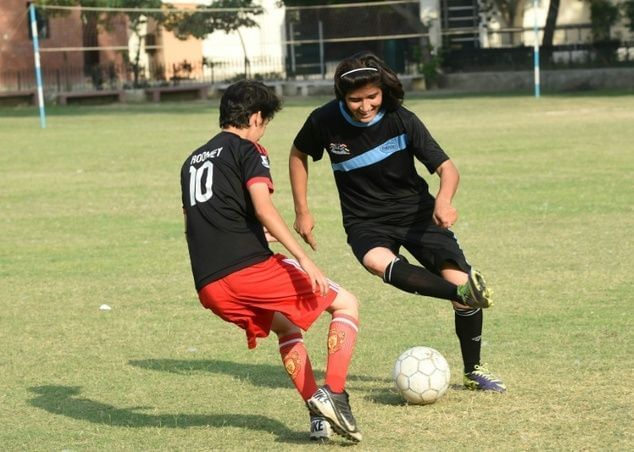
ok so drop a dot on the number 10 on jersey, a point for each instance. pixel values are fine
(198, 192)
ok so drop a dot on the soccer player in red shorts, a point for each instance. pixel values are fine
(229, 220)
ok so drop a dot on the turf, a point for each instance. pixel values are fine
(91, 215)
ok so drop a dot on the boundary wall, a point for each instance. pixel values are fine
(562, 80)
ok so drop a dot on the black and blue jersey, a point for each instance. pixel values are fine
(373, 163)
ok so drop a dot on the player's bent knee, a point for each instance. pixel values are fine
(377, 259)
(345, 303)
(376, 271)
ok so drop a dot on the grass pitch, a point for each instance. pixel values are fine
(91, 215)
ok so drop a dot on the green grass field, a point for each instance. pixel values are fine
(91, 215)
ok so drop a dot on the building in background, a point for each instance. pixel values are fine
(62, 37)
(289, 42)
(257, 51)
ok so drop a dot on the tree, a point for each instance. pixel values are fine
(628, 12)
(603, 15)
(551, 23)
(199, 22)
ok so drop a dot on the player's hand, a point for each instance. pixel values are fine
(445, 215)
(318, 281)
(304, 225)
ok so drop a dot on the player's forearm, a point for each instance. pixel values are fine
(273, 222)
(449, 181)
(298, 171)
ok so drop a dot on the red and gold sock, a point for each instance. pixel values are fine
(297, 364)
(341, 338)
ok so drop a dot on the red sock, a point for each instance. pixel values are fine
(297, 364)
(341, 339)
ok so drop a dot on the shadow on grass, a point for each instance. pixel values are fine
(264, 375)
(386, 397)
(67, 401)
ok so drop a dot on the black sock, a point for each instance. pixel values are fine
(418, 280)
(469, 332)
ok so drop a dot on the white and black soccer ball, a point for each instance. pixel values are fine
(421, 375)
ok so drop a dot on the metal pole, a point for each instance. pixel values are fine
(536, 48)
(321, 49)
(38, 70)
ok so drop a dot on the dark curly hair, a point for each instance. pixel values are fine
(366, 68)
(244, 98)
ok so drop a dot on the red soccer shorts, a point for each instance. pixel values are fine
(251, 296)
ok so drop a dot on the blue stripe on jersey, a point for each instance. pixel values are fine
(352, 121)
(379, 153)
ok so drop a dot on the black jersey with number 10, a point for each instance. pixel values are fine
(223, 233)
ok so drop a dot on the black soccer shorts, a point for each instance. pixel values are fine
(431, 246)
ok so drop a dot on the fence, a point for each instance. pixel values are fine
(310, 42)
(564, 56)
(112, 76)
(120, 76)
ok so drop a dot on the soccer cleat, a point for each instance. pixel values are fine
(336, 409)
(475, 293)
(482, 379)
(320, 429)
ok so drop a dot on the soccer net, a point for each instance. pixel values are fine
(99, 47)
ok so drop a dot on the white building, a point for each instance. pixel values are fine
(262, 46)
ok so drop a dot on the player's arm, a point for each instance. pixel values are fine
(445, 215)
(272, 221)
(298, 171)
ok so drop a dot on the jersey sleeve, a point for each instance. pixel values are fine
(423, 145)
(308, 139)
(256, 166)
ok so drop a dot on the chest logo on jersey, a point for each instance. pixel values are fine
(339, 149)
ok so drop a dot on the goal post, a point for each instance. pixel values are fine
(38, 69)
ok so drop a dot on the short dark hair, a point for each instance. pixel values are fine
(244, 98)
(369, 69)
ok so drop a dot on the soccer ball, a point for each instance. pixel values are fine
(421, 375)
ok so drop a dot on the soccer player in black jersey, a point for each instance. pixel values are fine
(372, 141)
(229, 218)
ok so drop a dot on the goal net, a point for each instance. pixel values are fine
(98, 47)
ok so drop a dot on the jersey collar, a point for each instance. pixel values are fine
(354, 122)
